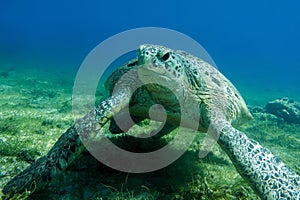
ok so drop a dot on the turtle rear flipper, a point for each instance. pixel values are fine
(269, 177)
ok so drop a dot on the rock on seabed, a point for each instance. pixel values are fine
(285, 108)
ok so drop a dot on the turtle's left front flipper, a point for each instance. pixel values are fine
(266, 173)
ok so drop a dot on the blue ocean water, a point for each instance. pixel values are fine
(255, 44)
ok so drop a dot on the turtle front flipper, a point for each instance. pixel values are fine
(266, 173)
(65, 150)
(45, 168)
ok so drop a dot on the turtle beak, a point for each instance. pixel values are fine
(141, 56)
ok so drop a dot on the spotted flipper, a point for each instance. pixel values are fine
(68, 147)
(267, 174)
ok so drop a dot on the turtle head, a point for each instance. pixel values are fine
(161, 60)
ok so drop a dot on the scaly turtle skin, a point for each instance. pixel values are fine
(220, 105)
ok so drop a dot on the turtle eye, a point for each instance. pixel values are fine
(165, 56)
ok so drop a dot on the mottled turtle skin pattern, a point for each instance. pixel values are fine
(221, 109)
(68, 147)
(269, 177)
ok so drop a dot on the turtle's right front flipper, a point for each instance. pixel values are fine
(65, 150)
(45, 168)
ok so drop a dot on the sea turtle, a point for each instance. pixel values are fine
(221, 108)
